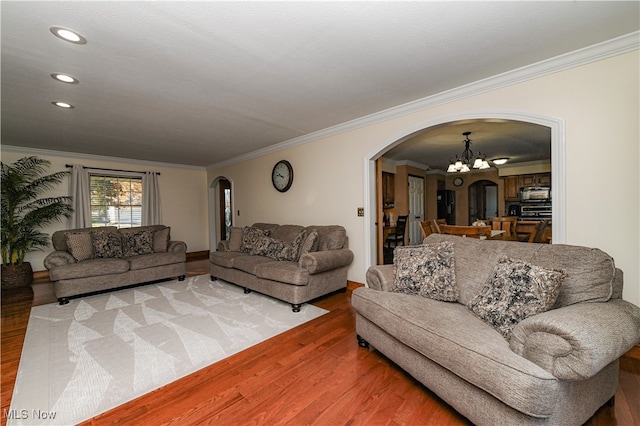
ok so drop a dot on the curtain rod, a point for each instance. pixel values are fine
(109, 170)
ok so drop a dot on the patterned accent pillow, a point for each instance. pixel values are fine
(161, 240)
(426, 270)
(250, 238)
(139, 242)
(106, 244)
(516, 290)
(310, 244)
(270, 247)
(278, 249)
(296, 245)
(79, 245)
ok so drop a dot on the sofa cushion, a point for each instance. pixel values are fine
(515, 291)
(144, 261)
(286, 233)
(79, 245)
(450, 335)
(161, 240)
(250, 238)
(590, 272)
(89, 268)
(249, 263)
(235, 238)
(135, 242)
(225, 258)
(106, 243)
(330, 237)
(283, 271)
(426, 270)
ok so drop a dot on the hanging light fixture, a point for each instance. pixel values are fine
(465, 162)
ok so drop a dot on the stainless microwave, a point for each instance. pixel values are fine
(535, 193)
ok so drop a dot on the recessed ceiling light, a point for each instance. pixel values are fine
(65, 78)
(68, 35)
(62, 104)
(500, 161)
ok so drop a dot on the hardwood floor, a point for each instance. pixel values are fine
(313, 374)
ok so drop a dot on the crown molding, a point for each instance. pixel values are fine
(91, 157)
(617, 46)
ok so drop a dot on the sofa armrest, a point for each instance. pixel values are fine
(577, 341)
(177, 247)
(223, 245)
(58, 258)
(326, 260)
(380, 277)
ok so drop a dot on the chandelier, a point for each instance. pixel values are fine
(466, 162)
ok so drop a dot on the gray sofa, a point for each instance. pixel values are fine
(557, 367)
(90, 260)
(288, 262)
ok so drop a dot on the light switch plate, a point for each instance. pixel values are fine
(360, 211)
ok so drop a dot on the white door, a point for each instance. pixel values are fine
(416, 209)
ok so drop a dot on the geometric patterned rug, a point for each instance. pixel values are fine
(98, 352)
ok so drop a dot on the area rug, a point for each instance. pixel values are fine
(99, 352)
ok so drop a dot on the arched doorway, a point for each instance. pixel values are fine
(558, 148)
(220, 210)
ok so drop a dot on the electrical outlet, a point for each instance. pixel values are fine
(360, 211)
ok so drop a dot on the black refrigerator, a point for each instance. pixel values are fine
(447, 206)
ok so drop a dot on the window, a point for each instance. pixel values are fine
(116, 200)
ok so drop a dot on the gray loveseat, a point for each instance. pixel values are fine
(556, 367)
(90, 260)
(289, 262)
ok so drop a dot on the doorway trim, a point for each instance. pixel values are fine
(214, 208)
(558, 180)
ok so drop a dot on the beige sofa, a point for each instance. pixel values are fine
(91, 260)
(289, 262)
(556, 368)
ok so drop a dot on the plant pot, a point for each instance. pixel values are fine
(14, 276)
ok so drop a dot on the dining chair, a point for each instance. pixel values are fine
(467, 231)
(397, 237)
(506, 224)
(430, 226)
(542, 233)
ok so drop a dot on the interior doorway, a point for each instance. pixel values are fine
(220, 210)
(483, 200)
(224, 208)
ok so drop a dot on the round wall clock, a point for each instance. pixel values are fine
(458, 181)
(282, 176)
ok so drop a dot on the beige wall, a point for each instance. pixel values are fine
(183, 193)
(599, 104)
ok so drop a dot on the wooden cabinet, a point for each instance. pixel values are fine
(537, 179)
(512, 188)
(388, 190)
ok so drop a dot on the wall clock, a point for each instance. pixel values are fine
(282, 176)
(458, 181)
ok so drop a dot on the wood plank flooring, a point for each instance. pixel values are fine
(314, 374)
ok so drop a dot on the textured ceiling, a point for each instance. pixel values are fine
(199, 83)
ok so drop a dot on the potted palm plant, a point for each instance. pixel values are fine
(24, 214)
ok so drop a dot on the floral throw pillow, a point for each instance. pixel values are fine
(139, 242)
(279, 249)
(106, 244)
(250, 238)
(516, 290)
(426, 270)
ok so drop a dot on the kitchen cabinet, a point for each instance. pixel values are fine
(512, 188)
(537, 179)
(388, 190)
